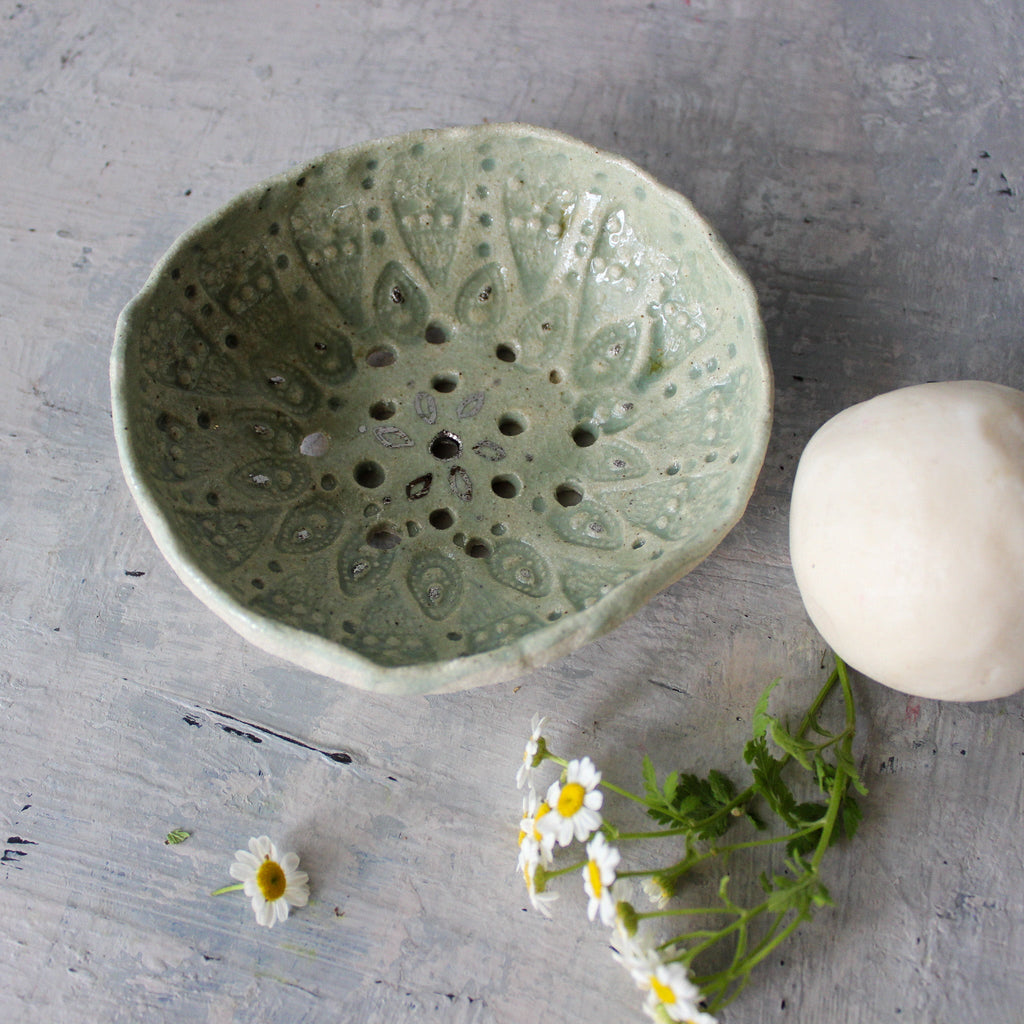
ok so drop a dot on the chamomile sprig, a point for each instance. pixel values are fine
(800, 799)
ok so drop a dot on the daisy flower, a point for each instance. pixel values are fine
(672, 996)
(533, 753)
(658, 890)
(531, 840)
(574, 804)
(634, 949)
(598, 877)
(534, 874)
(270, 881)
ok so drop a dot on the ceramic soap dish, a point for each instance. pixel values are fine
(436, 409)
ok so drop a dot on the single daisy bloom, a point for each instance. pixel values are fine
(534, 876)
(530, 836)
(574, 804)
(533, 753)
(636, 951)
(673, 996)
(658, 890)
(270, 881)
(598, 877)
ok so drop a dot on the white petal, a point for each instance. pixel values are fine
(280, 907)
(245, 857)
(297, 897)
(264, 913)
(290, 861)
(241, 871)
(261, 847)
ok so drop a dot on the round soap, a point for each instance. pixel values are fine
(907, 538)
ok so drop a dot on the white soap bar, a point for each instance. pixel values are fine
(907, 538)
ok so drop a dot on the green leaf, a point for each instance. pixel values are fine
(669, 787)
(762, 719)
(650, 779)
(722, 787)
(768, 780)
(692, 802)
(801, 844)
(851, 817)
(179, 835)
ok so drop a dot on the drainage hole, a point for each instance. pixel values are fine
(446, 445)
(555, 376)
(369, 474)
(441, 518)
(506, 353)
(584, 436)
(382, 356)
(506, 486)
(384, 537)
(435, 334)
(511, 425)
(382, 410)
(567, 495)
(445, 382)
(477, 548)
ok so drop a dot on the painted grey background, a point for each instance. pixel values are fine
(863, 160)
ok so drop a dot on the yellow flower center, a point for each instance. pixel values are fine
(595, 878)
(662, 991)
(270, 878)
(541, 811)
(570, 800)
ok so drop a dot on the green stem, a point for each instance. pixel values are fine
(228, 888)
(655, 834)
(555, 872)
(690, 861)
(842, 777)
(684, 912)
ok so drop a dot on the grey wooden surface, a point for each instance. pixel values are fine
(864, 161)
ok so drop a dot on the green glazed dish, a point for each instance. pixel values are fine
(436, 409)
